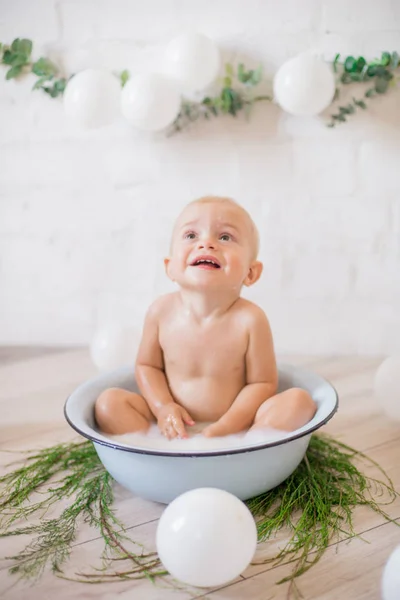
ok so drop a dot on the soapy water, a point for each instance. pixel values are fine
(153, 439)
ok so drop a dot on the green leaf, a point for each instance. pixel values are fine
(236, 102)
(394, 63)
(124, 77)
(256, 76)
(227, 82)
(380, 71)
(217, 102)
(16, 60)
(355, 76)
(369, 93)
(387, 75)
(41, 81)
(8, 57)
(13, 72)
(340, 117)
(44, 67)
(385, 59)
(60, 85)
(14, 45)
(335, 62)
(210, 105)
(350, 109)
(350, 64)
(229, 69)
(360, 64)
(346, 110)
(371, 71)
(345, 78)
(23, 46)
(381, 85)
(226, 100)
(54, 92)
(360, 103)
(56, 89)
(242, 76)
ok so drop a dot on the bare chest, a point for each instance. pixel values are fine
(199, 351)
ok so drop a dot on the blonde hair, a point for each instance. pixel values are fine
(231, 201)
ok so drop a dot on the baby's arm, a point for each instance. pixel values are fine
(261, 379)
(153, 385)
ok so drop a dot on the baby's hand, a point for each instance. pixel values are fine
(171, 419)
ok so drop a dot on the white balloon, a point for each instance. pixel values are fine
(114, 346)
(387, 386)
(304, 85)
(193, 60)
(206, 537)
(391, 577)
(150, 102)
(92, 98)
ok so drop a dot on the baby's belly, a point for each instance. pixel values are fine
(205, 398)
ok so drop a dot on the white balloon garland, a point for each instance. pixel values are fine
(150, 101)
(304, 85)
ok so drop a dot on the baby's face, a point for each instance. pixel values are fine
(213, 246)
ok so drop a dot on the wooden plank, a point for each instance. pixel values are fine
(14, 354)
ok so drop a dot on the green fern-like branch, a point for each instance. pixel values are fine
(314, 505)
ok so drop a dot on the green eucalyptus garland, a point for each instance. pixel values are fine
(379, 75)
(237, 92)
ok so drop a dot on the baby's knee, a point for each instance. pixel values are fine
(304, 401)
(105, 403)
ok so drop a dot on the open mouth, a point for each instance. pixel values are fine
(206, 263)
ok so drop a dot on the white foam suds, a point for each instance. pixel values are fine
(154, 439)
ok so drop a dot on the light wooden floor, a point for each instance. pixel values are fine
(33, 388)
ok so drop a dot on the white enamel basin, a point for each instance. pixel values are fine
(163, 475)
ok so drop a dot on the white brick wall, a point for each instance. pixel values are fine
(85, 216)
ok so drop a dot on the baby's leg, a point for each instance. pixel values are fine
(288, 410)
(119, 411)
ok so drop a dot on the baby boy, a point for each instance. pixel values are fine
(207, 354)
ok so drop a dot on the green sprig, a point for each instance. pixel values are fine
(235, 95)
(18, 57)
(76, 473)
(378, 72)
(314, 505)
(124, 77)
(316, 502)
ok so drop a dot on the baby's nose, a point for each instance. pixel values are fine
(207, 243)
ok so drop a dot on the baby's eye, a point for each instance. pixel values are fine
(225, 237)
(190, 235)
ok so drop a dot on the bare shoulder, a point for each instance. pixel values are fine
(252, 314)
(161, 306)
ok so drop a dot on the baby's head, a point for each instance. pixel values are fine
(218, 237)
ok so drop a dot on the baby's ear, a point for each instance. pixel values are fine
(254, 274)
(167, 261)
